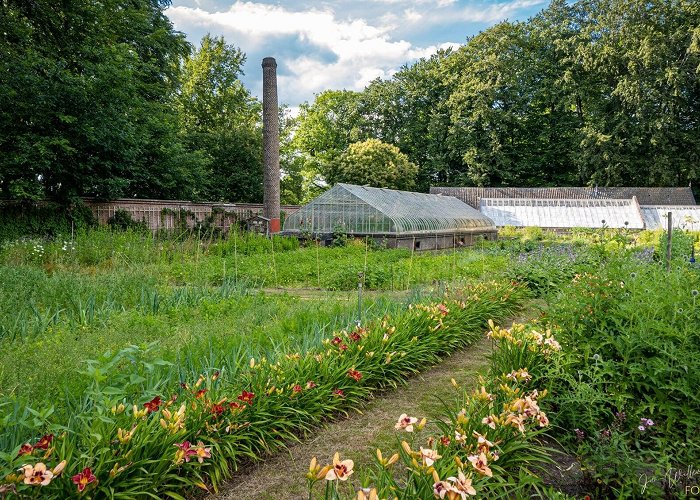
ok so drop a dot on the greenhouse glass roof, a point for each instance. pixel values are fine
(655, 217)
(369, 211)
(521, 212)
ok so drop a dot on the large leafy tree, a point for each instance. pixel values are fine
(221, 119)
(640, 108)
(85, 107)
(326, 128)
(510, 123)
(410, 111)
(374, 163)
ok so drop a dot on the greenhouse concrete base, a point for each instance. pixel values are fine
(420, 242)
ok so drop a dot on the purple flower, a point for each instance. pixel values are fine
(642, 428)
(580, 435)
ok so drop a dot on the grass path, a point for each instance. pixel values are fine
(358, 436)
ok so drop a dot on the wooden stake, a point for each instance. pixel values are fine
(669, 233)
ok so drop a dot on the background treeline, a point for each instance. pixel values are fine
(105, 99)
(602, 92)
(109, 101)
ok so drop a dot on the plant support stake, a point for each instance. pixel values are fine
(668, 242)
(360, 277)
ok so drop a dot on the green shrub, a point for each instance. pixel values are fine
(43, 220)
(123, 220)
(632, 347)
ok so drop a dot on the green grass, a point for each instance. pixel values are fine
(64, 303)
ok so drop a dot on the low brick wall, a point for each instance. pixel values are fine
(173, 214)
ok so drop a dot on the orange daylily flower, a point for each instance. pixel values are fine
(462, 485)
(153, 404)
(341, 470)
(84, 478)
(25, 449)
(483, 445)
(491, 421)
(429, 456)
(406, 423)
(480, 464)
(44, 442)
(37, 475)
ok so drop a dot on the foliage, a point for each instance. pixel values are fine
(631, 354)
(220, 118)
(374, 163)
(149, 447)
(84, 101)
(326, 128)
(43, 220)
(582, 93)
(123, 220)
(487, 443)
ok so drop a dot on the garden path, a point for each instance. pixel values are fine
(358, 436)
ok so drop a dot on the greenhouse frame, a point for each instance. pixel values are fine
(399, 219)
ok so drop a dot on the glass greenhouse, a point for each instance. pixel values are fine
(376, 212)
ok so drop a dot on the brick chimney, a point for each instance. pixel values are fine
(271, 145)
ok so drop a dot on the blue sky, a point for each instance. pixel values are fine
(338, 44)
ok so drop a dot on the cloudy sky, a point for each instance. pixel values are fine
(339, 44)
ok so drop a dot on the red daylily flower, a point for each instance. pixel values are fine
(26, 449)
(296, 389)
(246, 397)
(354, 374)
(355, 337)
(338, 392)
(217, 409)
(336, 341)
(343, 347)
(153, 404)
(200, 393)
(311, 384)
(185, 452)
(44, 442)
(84, 478)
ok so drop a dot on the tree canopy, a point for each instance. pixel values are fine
(374, 163)
(596, 92)
(108, 100)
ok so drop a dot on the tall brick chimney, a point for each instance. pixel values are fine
(271, 145)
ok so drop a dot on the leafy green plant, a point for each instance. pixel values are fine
(222, 420)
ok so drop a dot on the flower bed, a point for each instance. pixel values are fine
(195, 432)
(485, 444)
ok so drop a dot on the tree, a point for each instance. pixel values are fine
(326, 128)
(511, 125)
(220, 118)
(85, 105)
(410, 111)
(640, 107)
(374, 163)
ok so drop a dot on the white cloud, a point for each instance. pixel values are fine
(357, 50)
